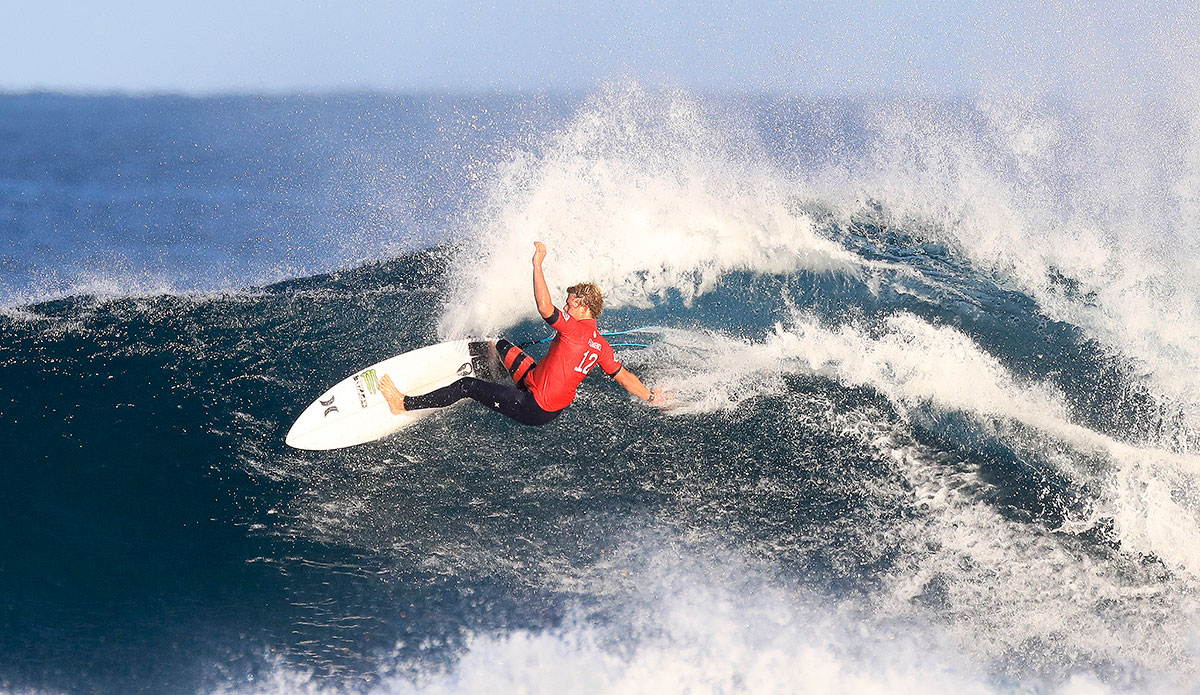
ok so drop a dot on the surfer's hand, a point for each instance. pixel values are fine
(539, 252)
(660, 399)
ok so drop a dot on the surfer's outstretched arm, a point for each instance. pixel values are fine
(629, 381)
(541, 293)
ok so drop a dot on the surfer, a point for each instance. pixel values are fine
(541, 390)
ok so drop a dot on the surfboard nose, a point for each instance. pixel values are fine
(295, 439)
(354, 410)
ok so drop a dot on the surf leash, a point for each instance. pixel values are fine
(643, 329)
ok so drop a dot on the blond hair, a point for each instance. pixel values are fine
(590, 295)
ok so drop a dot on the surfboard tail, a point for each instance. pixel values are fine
(486, 361)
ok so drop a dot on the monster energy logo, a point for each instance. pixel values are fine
(371, 379)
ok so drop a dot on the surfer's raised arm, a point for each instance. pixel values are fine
(541, 293)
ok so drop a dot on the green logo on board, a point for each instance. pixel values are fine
(372, 379)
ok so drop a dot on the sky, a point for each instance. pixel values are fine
(452, 45)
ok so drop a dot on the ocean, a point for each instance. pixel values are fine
(934, 366)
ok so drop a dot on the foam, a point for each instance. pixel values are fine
(698, 630)
(642, 194)
(1147, 492)
(691, 620)
(915, 363)
(1026, 598)
(1087, 211)
(646, 193)
(1099, 195)
(1013, 590)
(54, 285)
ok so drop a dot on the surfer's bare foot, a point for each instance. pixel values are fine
(392, 395)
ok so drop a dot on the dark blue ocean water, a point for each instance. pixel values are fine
(899, 458)
(190, 194)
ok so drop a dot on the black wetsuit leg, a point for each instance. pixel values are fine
(516, 403)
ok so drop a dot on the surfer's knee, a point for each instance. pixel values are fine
(514, 359)
(503, 347)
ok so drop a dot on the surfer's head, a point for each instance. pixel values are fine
(587, 296)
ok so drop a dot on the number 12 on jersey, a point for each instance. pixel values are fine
(588, 361)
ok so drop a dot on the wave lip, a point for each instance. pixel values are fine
(643, 195)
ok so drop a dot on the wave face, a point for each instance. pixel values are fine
(934, 366)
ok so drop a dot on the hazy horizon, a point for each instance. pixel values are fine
(275, 47)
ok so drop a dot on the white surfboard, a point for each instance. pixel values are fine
(353, 411)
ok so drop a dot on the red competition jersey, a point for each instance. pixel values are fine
(574, 351)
